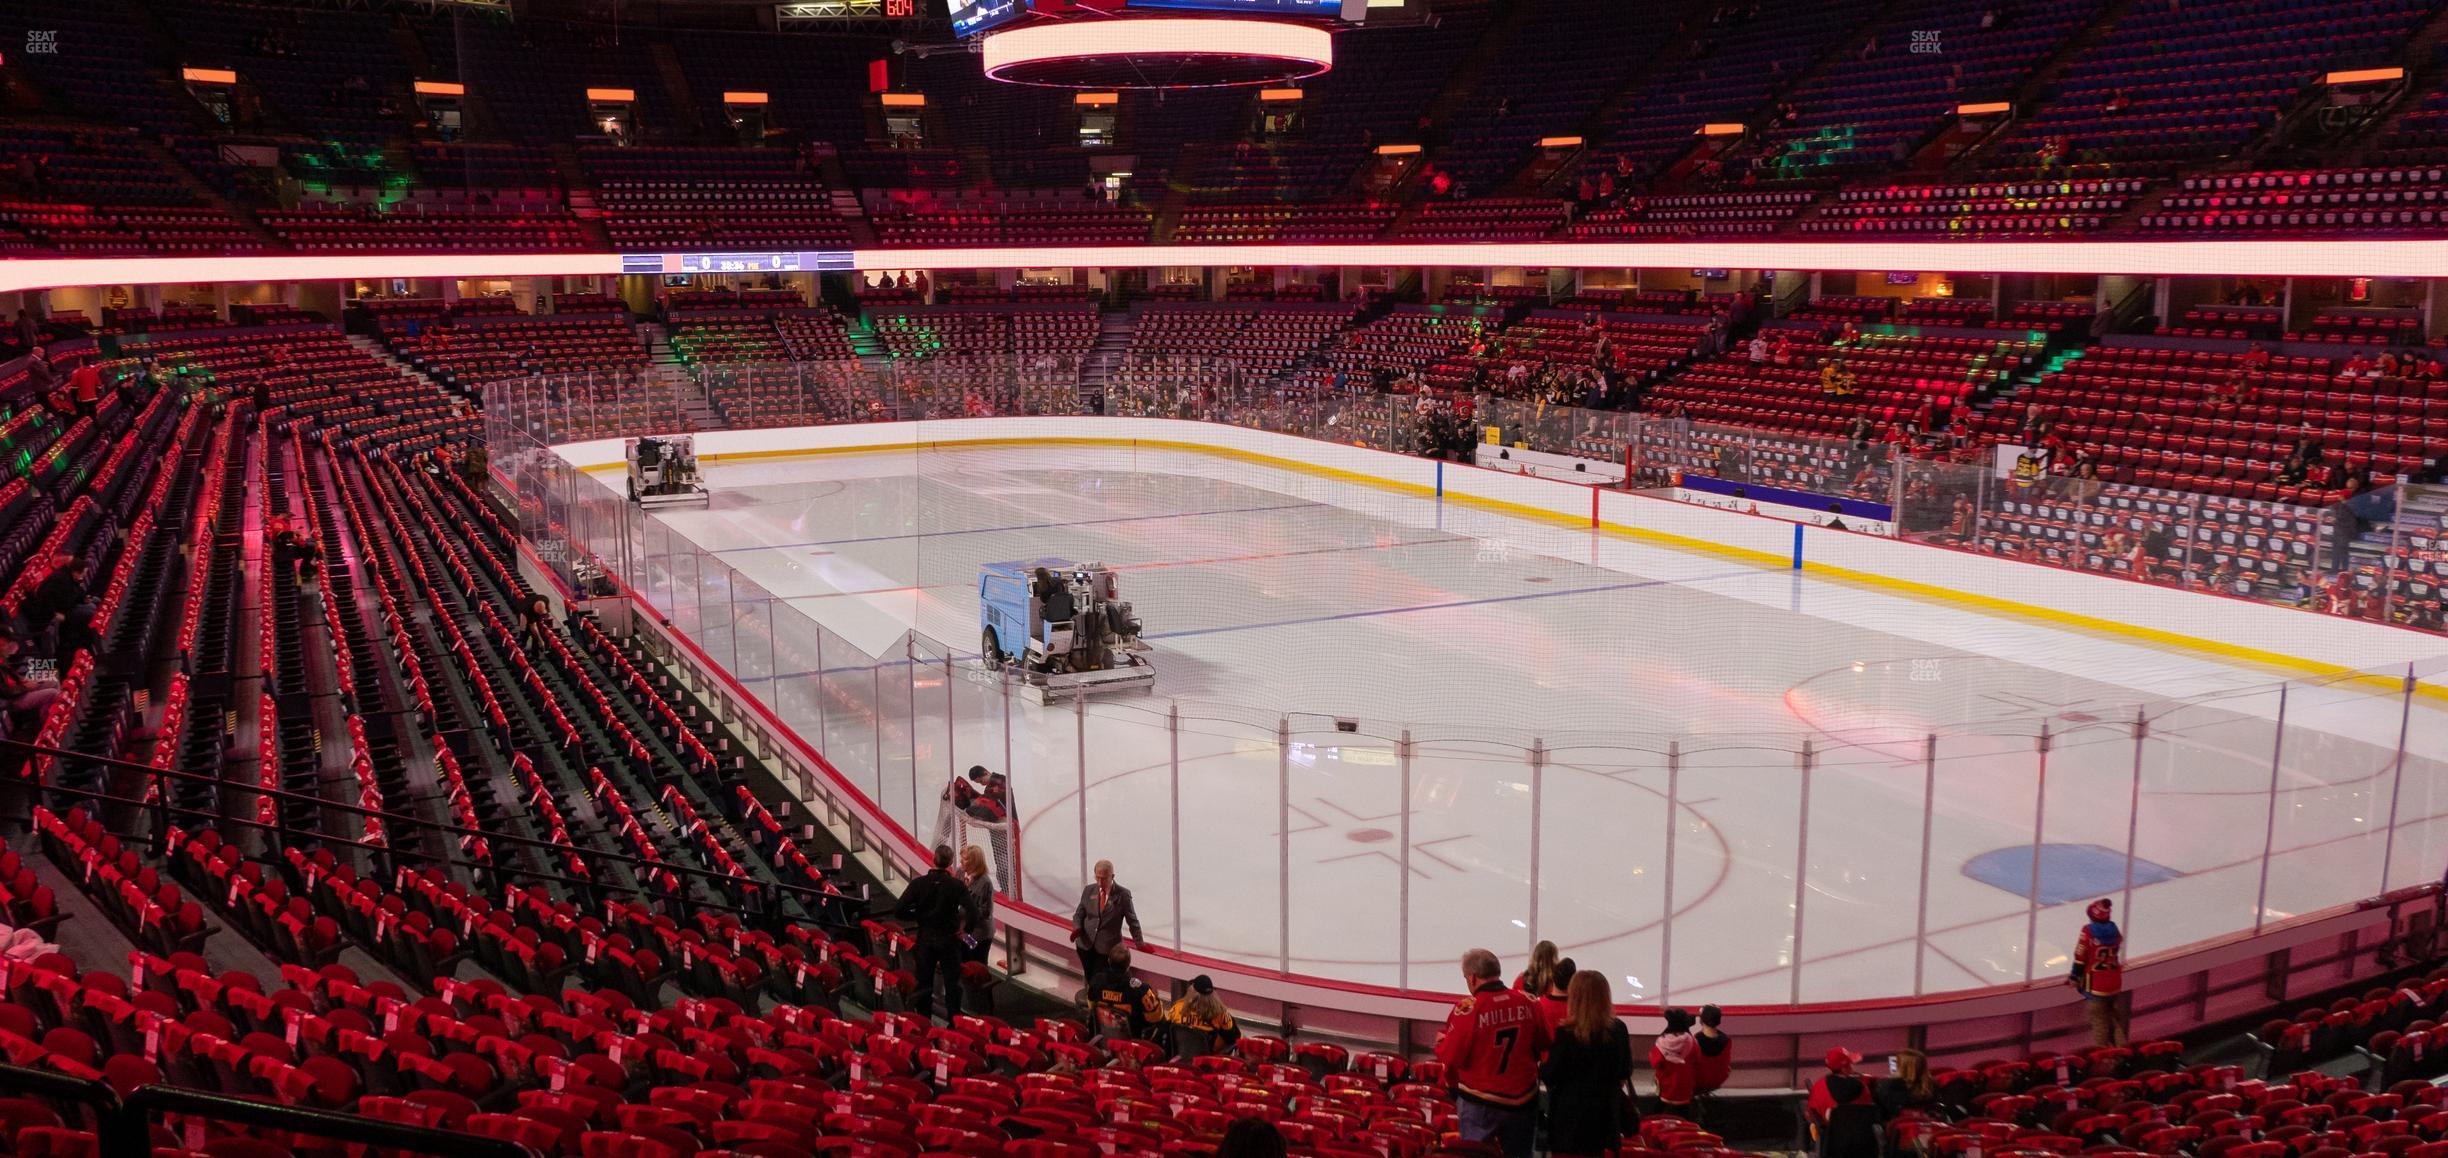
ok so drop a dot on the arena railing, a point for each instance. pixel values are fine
(1944, 868)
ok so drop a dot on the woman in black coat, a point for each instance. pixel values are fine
(1588, 1072)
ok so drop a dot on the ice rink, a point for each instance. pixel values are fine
(1606, 738)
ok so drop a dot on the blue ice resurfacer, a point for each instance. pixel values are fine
(1061, 626)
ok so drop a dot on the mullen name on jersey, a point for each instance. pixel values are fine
(1498, 1014)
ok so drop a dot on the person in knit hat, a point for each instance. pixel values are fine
(1671, 1058)
(1202, 1012)
(2099, 975)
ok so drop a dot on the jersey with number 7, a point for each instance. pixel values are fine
(1493, 1041)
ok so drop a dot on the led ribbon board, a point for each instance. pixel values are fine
(1161, 52)
(1327, 8)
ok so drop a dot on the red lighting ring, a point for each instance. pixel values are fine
(1158, 53)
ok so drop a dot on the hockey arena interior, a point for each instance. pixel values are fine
(1237, 578)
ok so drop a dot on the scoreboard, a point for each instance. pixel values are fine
(971, 16)
(817, 261)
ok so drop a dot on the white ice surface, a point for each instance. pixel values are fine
(1279, 599)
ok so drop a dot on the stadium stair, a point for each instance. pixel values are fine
(2052, 364)
(675, 82)
(177, 169)
(846, 205)
(659, 350)
(2425, 512)
(2428, 73)
(411, 49)
(1167, 214)
(1113, 340)
(1672, 173)
(2153, 199)
(694, 403)
(1461, 85)
(381, 353)
(670, 372)
(1593, 126)
(1402, 219)
(863, 342)
(2043, 78)
(575, 176)
(854, 215)
(402, 760)
(477, 122)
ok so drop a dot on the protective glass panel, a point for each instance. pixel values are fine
(931, 719)
(853, 713)
(1471, 834)
(2204, 820)
(1047, 782)
(981, 722)
(2337, 769)
(897, 677)
(1740, 800)
(798, 685)
(1346, 817)
(1984, 864)
(1499, 851)
(2086, 823)
(686, 594)
(2418, 844)
(1232, 881)
(713, 630)
(1602, 867)
(1132, 804)
(1863, 872)
(752, 643)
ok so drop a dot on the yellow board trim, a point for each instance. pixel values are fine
(1991, 605)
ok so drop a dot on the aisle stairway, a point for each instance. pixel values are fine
(666, 370)
(1113, 341)
(376, 350)
(863, 343)
(2422, 514)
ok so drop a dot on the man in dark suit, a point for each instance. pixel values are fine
(1096, 926)
(939, 905)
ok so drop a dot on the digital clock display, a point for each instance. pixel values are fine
(739, 263)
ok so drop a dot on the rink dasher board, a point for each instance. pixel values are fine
(1547, 465)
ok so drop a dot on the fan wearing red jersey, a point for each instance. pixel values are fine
(2099, 974)
(1492, 1045)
